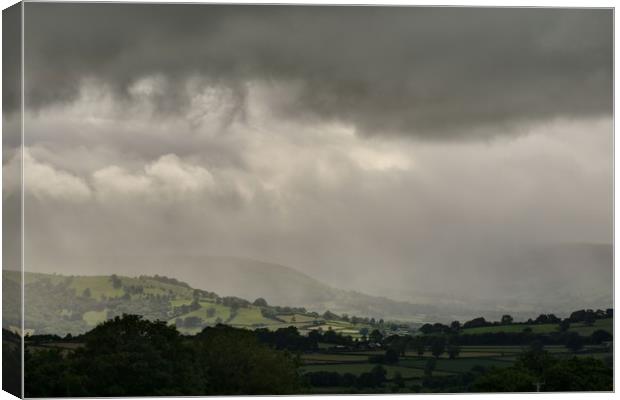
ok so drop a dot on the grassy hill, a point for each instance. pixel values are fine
(556, 279)
(282, 285)
(58, 304)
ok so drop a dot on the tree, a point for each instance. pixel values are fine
(374, 378)
(504, 380)
(418, 345)
(391, 356)
(599, 336)
(453, 351)
(86, 293)
(113, 362)
(589, 319)
(399, 382)
(538, 370)
(328, 315)
(475, 323)
(438, 346)
(116, 282)
(429, 367)
(542, 319)
(525, 376)
(426, 329)
(455, 326)
(564, 325)
(574, 342)
(364, 332)
(233, 361)
(578, 374)
(260, 302)
(376, 336)
(506, 319)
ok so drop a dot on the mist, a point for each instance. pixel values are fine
(433, 160)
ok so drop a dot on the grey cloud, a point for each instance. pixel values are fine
(11, 58)
(302, 118)
(443, 222)
(423, 72)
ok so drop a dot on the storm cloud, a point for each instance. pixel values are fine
(403, 152)
(425, 72)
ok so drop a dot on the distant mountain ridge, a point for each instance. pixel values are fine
(285, 286)
(61, 304)
(551, 278)
(575, 276)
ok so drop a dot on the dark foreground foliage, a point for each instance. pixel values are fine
(130, 356)
(538, 370)
(11, 363)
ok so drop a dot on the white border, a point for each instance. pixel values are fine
(479, 3)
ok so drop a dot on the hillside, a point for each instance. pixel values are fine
(285, 286)
(557, 279)
(58, 304)
(522, 281)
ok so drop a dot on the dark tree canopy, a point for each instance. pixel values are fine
(130, 356)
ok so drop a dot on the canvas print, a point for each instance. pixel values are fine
(212, 199)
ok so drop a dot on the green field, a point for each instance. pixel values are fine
(297, 318)
(221, 312)
(359, 368)
(98, 285)
(73, 304)
(604, 324)
(457, 365)
(582, 329)
(93, 318)
(536, 328)
(249, 317)
(327, 358)
(412, 367)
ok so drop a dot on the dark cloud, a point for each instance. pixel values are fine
(282, 134)
(11, 58)
(425, 72)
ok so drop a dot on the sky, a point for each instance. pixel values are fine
(409, 150)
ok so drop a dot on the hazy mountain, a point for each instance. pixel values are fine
(557, 278)
(285, 286)
(553, 278)
(561, 277)
(522, 282)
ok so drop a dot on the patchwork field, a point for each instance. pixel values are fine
(411, 367)
(582, 329)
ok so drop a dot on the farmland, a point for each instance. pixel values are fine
(411, 367)
(336, 353)
(332, 353)
(581, 328)
(329, 362)
(60, 304)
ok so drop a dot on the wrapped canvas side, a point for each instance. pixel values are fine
(12, 262)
